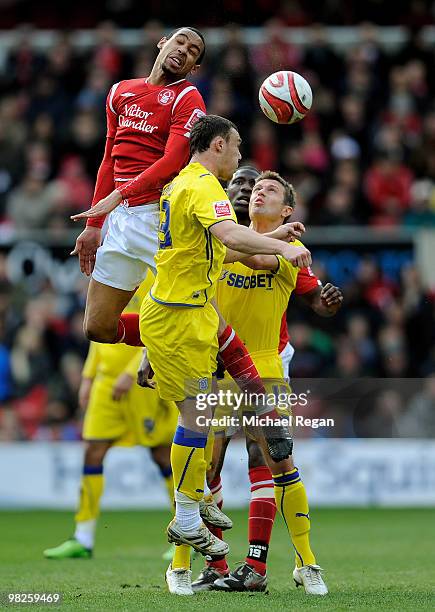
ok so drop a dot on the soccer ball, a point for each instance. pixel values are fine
(285, 97)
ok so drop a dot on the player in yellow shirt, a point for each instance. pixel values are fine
(252, 301)
(179, 324)
(118, 412)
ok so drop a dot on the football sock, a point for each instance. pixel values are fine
(91, 489)
(291, 501)
(220, 562)
(188, 468)
(262, 511)
(128, 330)
(166, 473)
(239, 365)
(181, 558)
(216, 491)
(238, 362)
(85, 533)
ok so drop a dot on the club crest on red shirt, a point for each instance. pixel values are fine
(166, 96)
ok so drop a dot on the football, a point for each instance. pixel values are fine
(285, 97)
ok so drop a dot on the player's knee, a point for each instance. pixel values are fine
(255, 456)
(161, 456)
(95, 453)
(99, 331)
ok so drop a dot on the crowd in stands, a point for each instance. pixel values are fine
(365, 155)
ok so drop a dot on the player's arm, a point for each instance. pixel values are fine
(286, 232)
(89, 240)
(174, 158)
(186, 109)
(240, 238)
(127, 378)
(88, 374)
(325, 300)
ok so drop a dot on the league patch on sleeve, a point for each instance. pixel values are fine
(196, 114)
(222, 208)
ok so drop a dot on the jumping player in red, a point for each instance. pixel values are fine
(148, 128)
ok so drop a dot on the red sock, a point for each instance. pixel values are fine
(238, 362)
(239, 365)
(262, 511)
(216, 491)
(219, 563)
(128, 329)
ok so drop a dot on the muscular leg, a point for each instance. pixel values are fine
(262, 508)
(162, 458)
(214, 482)
(91, 489)
(95, 451)
(189, 465)
(291, 501)
(104, 306)
(219, 449)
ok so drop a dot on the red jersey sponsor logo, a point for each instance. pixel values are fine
(166, 96)
(135, 111)
(222, 209)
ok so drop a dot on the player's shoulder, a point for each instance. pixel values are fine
(124, 89)
(187, 94)
(203, 181)
(132, 84)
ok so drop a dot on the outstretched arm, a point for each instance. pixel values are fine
(240, 238)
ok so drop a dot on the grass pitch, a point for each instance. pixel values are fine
(373, 560)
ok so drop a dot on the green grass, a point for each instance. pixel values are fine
(374, 560)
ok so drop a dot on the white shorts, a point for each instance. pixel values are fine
(129, 247)
(286, 356)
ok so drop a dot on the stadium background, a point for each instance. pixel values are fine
(363, 163)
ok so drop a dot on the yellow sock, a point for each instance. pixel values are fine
(181, 558)
(291, 501)
(188, 464)
(91, 489)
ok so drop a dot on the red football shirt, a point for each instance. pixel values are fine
(141, 119)
(306, 281)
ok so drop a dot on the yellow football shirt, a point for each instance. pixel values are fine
(190, 258)
(113, 359)
(253, 302)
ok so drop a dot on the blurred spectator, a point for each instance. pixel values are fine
(321, 58)
(107, 56)
(338, 208)
(74, 187)
(421, 212)
(31, 203)
(311, 355)
(276, 53)
(388, 185)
